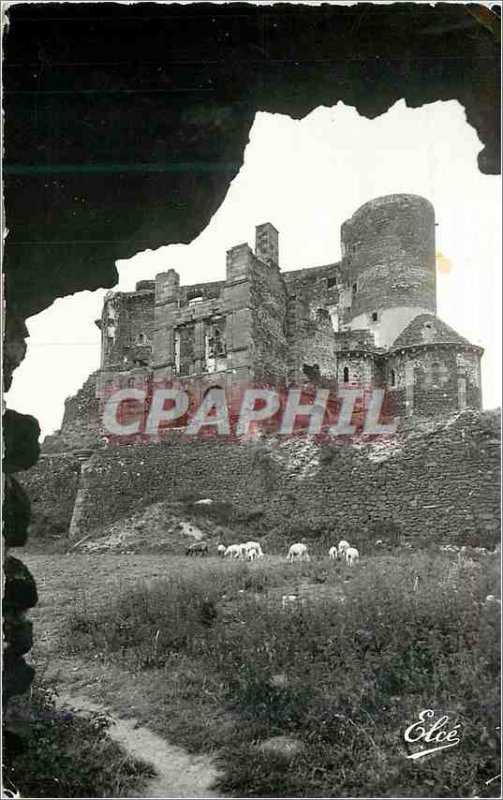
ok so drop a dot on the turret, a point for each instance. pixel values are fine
(388, 263)
(167, 285)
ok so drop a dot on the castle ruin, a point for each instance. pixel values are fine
(368, 320)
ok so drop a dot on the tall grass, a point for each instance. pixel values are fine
(345, 677)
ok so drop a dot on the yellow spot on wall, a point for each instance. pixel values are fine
(444, 265)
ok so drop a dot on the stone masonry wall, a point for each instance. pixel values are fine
(53, 481)
(440, 483)
(435, 372)
(312, 294)
(52, 487)
(131, 317)
(268, 346)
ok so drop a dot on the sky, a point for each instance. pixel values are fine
(307, 177)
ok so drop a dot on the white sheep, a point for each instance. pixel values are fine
(342, 547)
(243, 549)
(352, 556)
(298, 552)
(255, 546)
(252, 554)
(288, 600)
(491, 600)
(221, 550)
(332, 553)
(233, 551)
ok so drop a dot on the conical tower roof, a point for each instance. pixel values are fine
(429, 329)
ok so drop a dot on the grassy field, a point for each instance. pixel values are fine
(203, 652)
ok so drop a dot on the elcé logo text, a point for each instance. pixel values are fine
(436, 733)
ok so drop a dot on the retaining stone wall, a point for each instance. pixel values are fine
(441, 483)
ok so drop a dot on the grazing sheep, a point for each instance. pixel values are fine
(251, 554)
(233, 551)
(352, 556)
(332, 553)
(342, 547)
(221, 549)
(205, 502)
(243, 549)
(298, 552)
(288, 600)
(255, 546)
(198, 548)
(491, 600)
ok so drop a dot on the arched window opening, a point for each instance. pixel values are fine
(346, 375)
(214, 349)
(216, 346)
(462, 393)
(178, 350)
(211, 389)
(312, 371)
(322, 315)
(393, 377)
(435, 373)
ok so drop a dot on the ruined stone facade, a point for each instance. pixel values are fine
(368, 320)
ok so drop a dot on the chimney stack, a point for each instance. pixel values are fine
(266, 244)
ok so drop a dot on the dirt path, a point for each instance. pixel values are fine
(65, 583)
(179, 774)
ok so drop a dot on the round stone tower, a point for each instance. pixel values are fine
(388, 265)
